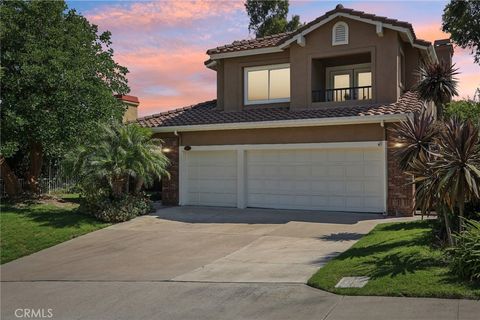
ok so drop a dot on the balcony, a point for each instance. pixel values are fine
(342, 94)
(342, 78)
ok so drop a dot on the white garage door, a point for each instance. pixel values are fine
(317, 179)
(211, 178)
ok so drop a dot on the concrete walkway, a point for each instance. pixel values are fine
(206, 263)
(197, 301)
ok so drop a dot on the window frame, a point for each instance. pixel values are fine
(352, 70)
(260, 68)
(337, 43)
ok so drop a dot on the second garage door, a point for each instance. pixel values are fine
(317, 179)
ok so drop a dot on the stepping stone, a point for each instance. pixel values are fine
(352, 282)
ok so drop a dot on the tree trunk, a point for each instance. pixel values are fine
(12, 185)
(447, 227)
(36, 162)
(439, 109)
(118, 183)
(138, 185)
(460, 216)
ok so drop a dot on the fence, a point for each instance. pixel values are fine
(47, 185)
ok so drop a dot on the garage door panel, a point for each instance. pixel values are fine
(213, 186)
(354, 155)
(211, 178)
(336, 171)
(354, 170)
(319, 171)
(319, 179)
(335, 155)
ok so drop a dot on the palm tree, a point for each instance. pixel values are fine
(415, 136)
(120, 152)
(444, 161)
(437, 84)
(458, 163)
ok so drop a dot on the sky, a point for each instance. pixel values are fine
(163, 43)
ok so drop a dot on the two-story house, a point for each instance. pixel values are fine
(301, 119)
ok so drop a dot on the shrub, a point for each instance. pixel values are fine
(464, 109)
(123, 208)
(465, 254)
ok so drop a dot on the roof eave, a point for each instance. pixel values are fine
(282, 46)
(286, 123)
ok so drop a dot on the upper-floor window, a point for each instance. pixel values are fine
(349, 82)
(340, 33)
(267, 84)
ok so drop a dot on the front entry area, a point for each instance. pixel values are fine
(327, 176)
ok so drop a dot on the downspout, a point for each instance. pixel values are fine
(382, 124)
(177, 134)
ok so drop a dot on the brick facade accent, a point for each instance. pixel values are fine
(401, 194)
(170, 187)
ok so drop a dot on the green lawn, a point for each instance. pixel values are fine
(399, 259)
(28, 228)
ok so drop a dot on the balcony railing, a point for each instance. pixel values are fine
(342, 94)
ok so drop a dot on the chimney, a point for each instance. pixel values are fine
(131, 114)
(444, 50)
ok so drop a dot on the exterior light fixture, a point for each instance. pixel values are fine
(398, 145)
(166, 150)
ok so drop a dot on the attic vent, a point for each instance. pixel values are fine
(340, 33)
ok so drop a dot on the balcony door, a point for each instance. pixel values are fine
(353, 82)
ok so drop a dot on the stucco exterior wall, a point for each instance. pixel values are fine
(344, 133)
(363, 39)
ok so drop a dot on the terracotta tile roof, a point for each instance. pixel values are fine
(277, 39)
(207, 113)
(264, 42)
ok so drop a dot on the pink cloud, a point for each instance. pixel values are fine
(166, 79)
(147, 14)
(469, 72)
(163, 45)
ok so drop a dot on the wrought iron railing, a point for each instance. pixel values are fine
(342, 94)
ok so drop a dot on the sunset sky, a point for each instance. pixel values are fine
(163, 43)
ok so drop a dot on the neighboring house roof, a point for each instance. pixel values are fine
(279, 39)
(207, 113)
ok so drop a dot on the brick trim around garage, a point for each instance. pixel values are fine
(170, 186)
(401, 193)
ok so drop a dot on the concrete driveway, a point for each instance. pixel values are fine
(201, 244)
(205, 263)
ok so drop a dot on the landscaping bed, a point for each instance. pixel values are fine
(30, 227)
(400, 260)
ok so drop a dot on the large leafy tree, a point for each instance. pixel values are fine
(270, 17)
(58, 78)
(462, 20)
